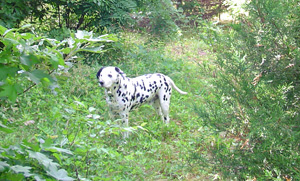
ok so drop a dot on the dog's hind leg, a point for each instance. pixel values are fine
(164, 104)
(164, 99)
(157, 107)
(165, 111)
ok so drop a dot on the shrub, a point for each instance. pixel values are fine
(28, 56)
(254, 103)
(156, 17)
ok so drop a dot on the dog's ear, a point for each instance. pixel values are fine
(99, 72)
(119, 71)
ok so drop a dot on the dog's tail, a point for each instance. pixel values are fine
(175, 87)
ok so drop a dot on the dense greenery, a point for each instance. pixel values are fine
(240, 120)
(255, 101)
(29, 56)
(71, 129)
(90, 15)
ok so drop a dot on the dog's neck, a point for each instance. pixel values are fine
(120, 85)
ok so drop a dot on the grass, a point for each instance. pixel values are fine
(76, 118)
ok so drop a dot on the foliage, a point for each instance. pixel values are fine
(88, 15)
(206, 9)
(157, 17)
(13, 12)
(76, 119)
(254, 101)
(34, 160)
(29, 56)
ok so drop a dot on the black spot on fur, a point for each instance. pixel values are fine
(119, 92)
(99, 72)
(142, 99)
(133, 107)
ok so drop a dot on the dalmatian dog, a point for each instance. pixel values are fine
(123, 93)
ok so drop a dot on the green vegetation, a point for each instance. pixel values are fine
(239, 121)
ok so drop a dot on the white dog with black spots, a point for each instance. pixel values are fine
(123, 93)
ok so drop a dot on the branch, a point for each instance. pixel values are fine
(34, 84)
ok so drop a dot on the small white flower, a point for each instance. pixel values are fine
(277, 57)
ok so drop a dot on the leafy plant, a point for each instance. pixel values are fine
(32, 160)
(29, 56)
(156, 17)
(254, 103)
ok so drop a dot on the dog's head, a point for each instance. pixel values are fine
(107, 76)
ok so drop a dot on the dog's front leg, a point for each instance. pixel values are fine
(124, 117)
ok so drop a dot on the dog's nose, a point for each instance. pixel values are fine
(101, 83)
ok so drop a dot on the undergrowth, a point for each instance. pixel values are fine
(70, 129)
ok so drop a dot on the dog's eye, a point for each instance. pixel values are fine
(109, 75)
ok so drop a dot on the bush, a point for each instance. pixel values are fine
(28, 56)
(156, 17)
(254, 103)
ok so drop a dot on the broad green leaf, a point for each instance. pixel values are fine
(83, 34)
(7, 41)
(27, 36)
(2, 29)
(32, 146)
(22, 169)
(52, 42)
(42, 159)
(59, 60)
(25, 26)
(10, 91)
(14, 176)
(5, 71)
(60, 174)
(92, 49)
(56, 149)
(48, 145)
(37, 75)
(6, 55)
(3, 165)
(28, 60)
(66, 50)
(9, 30)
